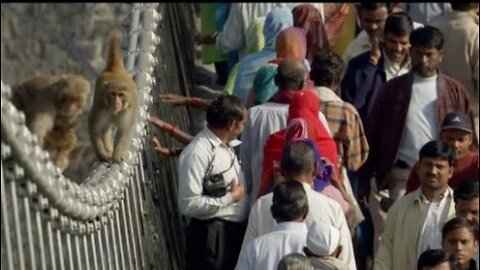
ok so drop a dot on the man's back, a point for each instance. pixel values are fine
(322, 209)
(264, 252)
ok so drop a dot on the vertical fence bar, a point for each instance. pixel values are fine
(28, 222)
(6, 222)
(114, 240)
(107, 243)
(77, 250)
(119, 233)
(51, 247)
(126, 230)
(60, 249)
(138, 216)
(18, 234)
(100, 247)
(85, 249)
(131, 225)
(94, 250)
(38, 219)
(69, 251)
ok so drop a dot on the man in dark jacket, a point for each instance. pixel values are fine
(407, 113)
(388, 58)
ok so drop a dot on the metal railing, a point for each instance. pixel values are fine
(122, 216)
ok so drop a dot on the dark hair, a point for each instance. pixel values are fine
(294, 261)
(398, 24)
(459, 223)
(435, 149)
(297, 157)
(327, 67)
(427, 36)
(434, 257)
(289, 201)
(223, 110)
(467, 190)
(462, 6)
(290, 73)
(372, 6)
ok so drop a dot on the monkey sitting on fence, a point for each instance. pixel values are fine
(50, 104)
(114, 106)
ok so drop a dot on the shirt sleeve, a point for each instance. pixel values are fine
(252, 229)
(245, 260)
(191, 202)
(355, 144)
(232, 36)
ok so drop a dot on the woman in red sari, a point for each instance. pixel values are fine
(303, 122)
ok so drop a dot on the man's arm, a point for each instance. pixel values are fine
(354, 140)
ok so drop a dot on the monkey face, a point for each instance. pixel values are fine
(117, 100)
(69, 106)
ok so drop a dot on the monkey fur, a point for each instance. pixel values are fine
(50, 102)
(114, 107)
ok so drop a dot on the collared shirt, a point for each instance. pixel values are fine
(192, 166)
(262, 121)
(393, 69)
(401, 233)
(321, 209)
(264, 252)
(346, 127)
(432, 217)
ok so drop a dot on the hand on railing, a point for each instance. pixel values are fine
(176, 100)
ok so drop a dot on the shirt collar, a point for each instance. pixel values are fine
(215, 141)
(291, 226)
(420, 197)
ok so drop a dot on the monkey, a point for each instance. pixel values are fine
(46, 98)
(115, 105)
(61, 141)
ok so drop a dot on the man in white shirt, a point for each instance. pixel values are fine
(211, 189)
(289, 209)
(266, 119)
(298, 163)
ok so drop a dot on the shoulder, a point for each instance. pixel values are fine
(404, 203)
(320, 199)
(450, 82)
(359, 60)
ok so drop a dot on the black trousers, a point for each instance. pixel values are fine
(213, 244)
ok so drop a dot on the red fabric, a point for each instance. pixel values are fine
(303, 104)
(466, 168)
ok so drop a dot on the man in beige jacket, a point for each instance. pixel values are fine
(460, 51)
(414, 222)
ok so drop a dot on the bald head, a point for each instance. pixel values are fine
(291, 74)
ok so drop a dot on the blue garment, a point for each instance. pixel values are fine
(362, 82)
(277, 19)
(425, 13)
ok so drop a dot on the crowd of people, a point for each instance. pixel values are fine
(334, 151)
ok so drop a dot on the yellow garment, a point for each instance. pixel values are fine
(398, 247)
(347, 32)
(210, 53)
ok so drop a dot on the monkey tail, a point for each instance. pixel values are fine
(115, 58)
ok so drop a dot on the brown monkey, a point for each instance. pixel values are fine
(61, 141)
(114, 105)
(44, 99)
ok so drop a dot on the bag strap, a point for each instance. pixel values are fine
(210, 163)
